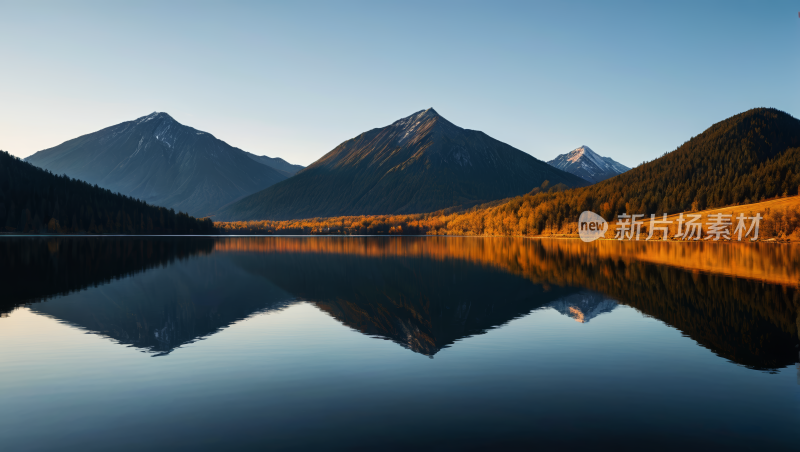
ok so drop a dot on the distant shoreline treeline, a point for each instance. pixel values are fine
(33, 200)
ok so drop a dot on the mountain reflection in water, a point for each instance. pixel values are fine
(584, 306)
(423, 293)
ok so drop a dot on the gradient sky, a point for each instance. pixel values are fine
(632, 80)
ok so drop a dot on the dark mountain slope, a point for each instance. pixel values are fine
(35, 200)
(161, 161)
(419, 163)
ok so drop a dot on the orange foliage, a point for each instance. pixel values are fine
(517, 217)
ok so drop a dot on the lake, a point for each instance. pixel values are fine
(396, 343)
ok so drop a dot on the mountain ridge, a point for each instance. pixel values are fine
(277, 163)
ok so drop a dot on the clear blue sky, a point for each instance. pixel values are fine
(632, 80)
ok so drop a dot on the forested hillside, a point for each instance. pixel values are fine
(35, 200)
(742, 159)
(747, 158)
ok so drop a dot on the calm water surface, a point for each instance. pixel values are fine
(396, 343)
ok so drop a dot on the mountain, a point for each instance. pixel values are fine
(158, 160)
(420, 163)
(283, 167)
(584, 162)
(36, 200)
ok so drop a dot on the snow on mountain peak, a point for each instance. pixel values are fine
(575, 154)
(409, 125)
(154, 115)
(589, 154)
(414, 118)
(586, 163)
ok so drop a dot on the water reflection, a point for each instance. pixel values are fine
(424, 293)
(584, 306)
(34, 269)
(422, 304)
(739, 301)
(165, 309)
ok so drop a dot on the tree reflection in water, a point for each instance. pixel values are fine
(424, 293)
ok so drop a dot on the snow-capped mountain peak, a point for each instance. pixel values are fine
(586, 163)
(587, 152)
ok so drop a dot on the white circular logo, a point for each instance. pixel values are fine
(591, 226)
